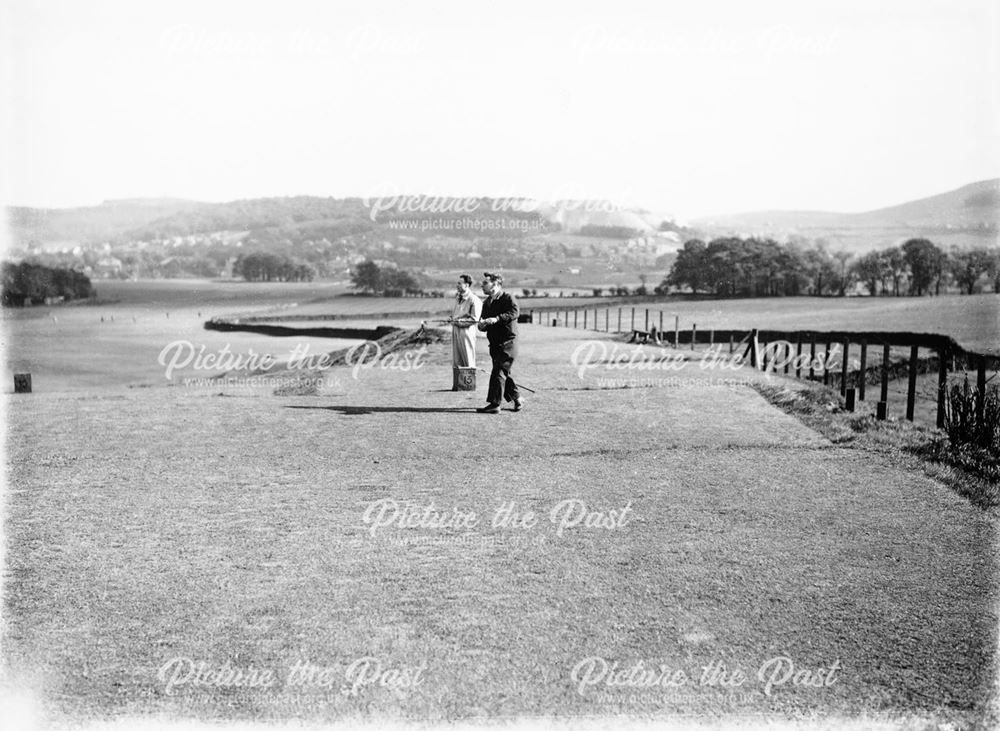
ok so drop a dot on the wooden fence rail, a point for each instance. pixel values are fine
(945, 352)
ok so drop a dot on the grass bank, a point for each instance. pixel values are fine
(974, 475)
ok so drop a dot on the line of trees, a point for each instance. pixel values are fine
(918, 266)
(27, 283)
(265, 267)
(371, 278)
(754, 267)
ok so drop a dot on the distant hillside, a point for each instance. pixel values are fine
(974, 205)
(293, 217)
(52, 228)
(967, 215)
(142, 219)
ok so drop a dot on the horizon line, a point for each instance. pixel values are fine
(619, 205)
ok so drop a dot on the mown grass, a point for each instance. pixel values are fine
(231, 530)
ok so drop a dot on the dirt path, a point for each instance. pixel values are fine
(224, 525)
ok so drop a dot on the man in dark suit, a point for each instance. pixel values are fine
(499, 320)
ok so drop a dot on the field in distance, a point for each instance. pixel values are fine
(972, 320)
(117, 344)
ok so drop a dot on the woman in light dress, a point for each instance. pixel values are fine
(464, 316)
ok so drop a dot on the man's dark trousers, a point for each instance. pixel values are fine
(501, 382)
(502, 336)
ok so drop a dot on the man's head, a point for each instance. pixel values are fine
(464, 283)
(492, 283)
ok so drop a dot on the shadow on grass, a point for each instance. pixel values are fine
(357, 410)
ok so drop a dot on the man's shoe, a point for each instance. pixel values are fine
(518, 404)
(489, 409)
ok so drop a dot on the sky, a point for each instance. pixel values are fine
(679, 107)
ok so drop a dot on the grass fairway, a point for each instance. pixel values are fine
(231, 529)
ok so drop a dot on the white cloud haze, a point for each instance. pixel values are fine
(714, 107)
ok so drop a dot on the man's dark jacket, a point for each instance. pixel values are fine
(505, 308)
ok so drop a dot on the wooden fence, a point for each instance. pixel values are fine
(804, 353)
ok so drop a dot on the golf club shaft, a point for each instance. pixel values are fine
(519, 384)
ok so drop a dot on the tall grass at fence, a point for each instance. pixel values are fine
(967, 422)
(972, 423)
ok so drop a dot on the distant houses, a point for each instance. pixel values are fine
(107, 267)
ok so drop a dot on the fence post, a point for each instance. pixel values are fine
(731, 343)
(849, 395)
(677, 331)
(763, 355)
(812, 357)
(575, 313)
(607, 316)
(619, 319)
(981, 390)
(711, 338)
(694, 334)
(863, 375)
(646, 328)
(911, 386)
(661, 323)
(596, 325)
(585, 319)
(883, 402)
(633, 318)
(798, 356)
(942, 385)
(843, 369)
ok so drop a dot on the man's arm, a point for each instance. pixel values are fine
(510, 312)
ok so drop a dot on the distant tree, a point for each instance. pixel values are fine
(845, 274)
(598, 291)
(994, 270)
(924, 261)
(820, 268)
(30, 283)
(397, 282)
(305, 273)
(765, 262)
(793, 270)
(968, 266)
(942, 270)
(689, 267)
(723, 266)
(895, 262)
(367, 277)
(871, 269)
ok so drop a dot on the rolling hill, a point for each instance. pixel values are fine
(964, 216)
